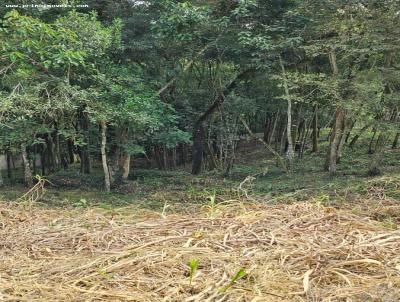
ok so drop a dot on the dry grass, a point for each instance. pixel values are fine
(300, 252)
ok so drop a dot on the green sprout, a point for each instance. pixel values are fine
(239, 275)
(193, 264)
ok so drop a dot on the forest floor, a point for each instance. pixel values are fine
(258, 235)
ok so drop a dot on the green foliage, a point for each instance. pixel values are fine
(171, 138)
(179, 21)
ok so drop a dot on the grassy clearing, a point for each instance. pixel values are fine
(169, 236)
(254, 174)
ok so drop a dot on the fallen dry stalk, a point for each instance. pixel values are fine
(300, 252)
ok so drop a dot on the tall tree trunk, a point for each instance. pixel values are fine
(315, 148)
(198, 148)
(1, 178)
(357, 136)
(165, 157)
(64, 160)
(283, 140)
(125, 163)
(34, 160)
(396, 140)
(337, 132)
(43, 162)
(57, 149)
(335, 142)
(346, 130)
(371, 142)
(267, 128)
(125, 158)
(114, 158)
(107, 182)
(86, 166)
(9, 166)
(27, 169)
(174, 159)
(375, 165)
(304, 139)
(273, 128)
(70, 146)
(49, 153)
(290, 151)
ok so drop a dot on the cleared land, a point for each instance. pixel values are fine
(267, 237)
(306, 251)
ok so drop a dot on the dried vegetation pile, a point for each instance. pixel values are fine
(245, 252)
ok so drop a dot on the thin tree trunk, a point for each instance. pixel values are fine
(351, 127)
(70, 148)
(51, 153)
(357, 136)
(335, 142)
(283, 140)
(86, 166)
(290, 153)
(9, 166)
(213, 159)
(43, 161)
(34, 160)
(371, 142)
(1, 178)
(27, 169)
(173, 159)
(375, 165)
(165, 157)
(315, 148)
(339, 123)
(57, 150)
(198, 148)
(274, 128)
(304, 139)
(107, 182)
(346, 130)
(396, 140)
(267, 128)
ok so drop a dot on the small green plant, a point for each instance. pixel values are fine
(193, 192)
(194, 265)
(81, 203)
(212, 205)
(106, 206)
(322, 199)
(239, 275)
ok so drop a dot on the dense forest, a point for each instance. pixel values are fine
(183, 81)
(260, 122)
